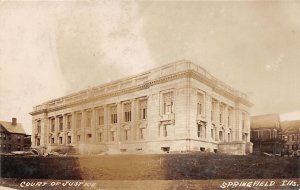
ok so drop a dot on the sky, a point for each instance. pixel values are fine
(50, 49)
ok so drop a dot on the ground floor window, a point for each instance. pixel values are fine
(141, 133)
(60, 140)
(112, 135)
(165, 130)
(99, 137)
(69, 140)
(38, 142)
(78, 138)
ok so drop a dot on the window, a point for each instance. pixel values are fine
(38, 125)
(101, 117)
(243, 121)
(230, 117)
(78, 138)
(112, 135)
(168, 107)
(201, 130)
(78, 122)
(213, 110)
(69, 139)
(142, 133)
(9, 147)
(165, 130)
(38, 142)
(221, 113)
(69, 122)
(19, 139)
(61, 124)
(126, 134)
(99, 137)
(143, 109)
(294, 138)
(4, 136)
(114, 115)
(200, 104)
(127, 112)
(52, 124)
(89, 136)
(60, 140)
(19, 147)
(89, 119)
(212, 134)
(52, 140)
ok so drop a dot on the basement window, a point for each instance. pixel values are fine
(123, 150)
(165, 149)
(202, 149)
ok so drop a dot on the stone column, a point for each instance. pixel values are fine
(64, 129)
(134, 130)
(208, 105)
(93, 125)
(106, 125)
(73, 129)
(119, 119)
(83, 121)
(217, 121)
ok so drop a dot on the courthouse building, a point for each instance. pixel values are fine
(176, 107)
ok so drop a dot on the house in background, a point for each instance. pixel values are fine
(290, 134)
(265, 130)
(12, 136)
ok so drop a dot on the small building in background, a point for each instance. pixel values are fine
(290, 134)
(12, 136)
(265, 130)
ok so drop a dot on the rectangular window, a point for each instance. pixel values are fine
(168, 107)
(213, 110)
(99, 137)
(142, 133)
(199, 131)
(143, 109)
(114, 115)
(165, 130)
(38, 142)
(19, 138)
(243, 121)
(112, 135)
(229, 117)
(200, 104)
(126, 134)
(69, 139)
(52, 140)
(69, 122)
(212, 134)
(18, 147)
(61, 126)
(127, 112)
(60, 140)
(221, 114)
(78, 138)
(78, 120)
(89, 119)
(52, 123)
(89, 136)
(38, 125)
(101, 117)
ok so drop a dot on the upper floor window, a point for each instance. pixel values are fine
(221, 113)
(101, 116)
(114, 115)
(143, 109)
(78, 120)
(213, 110)
(200, 104)
(52, 124)
(38, 126)
(61, 125)
(243, 121)
(19, 138)
(69, 121)
(127, 112)
(229, 119)
(89, 119)
(168, 106)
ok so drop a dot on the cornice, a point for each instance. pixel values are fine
(92, 94)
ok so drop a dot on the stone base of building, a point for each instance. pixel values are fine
(154, 147)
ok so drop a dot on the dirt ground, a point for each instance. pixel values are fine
(150, 167)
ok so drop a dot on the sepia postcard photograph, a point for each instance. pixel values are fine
(149, 94)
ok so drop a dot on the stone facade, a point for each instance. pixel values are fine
(177, 107)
